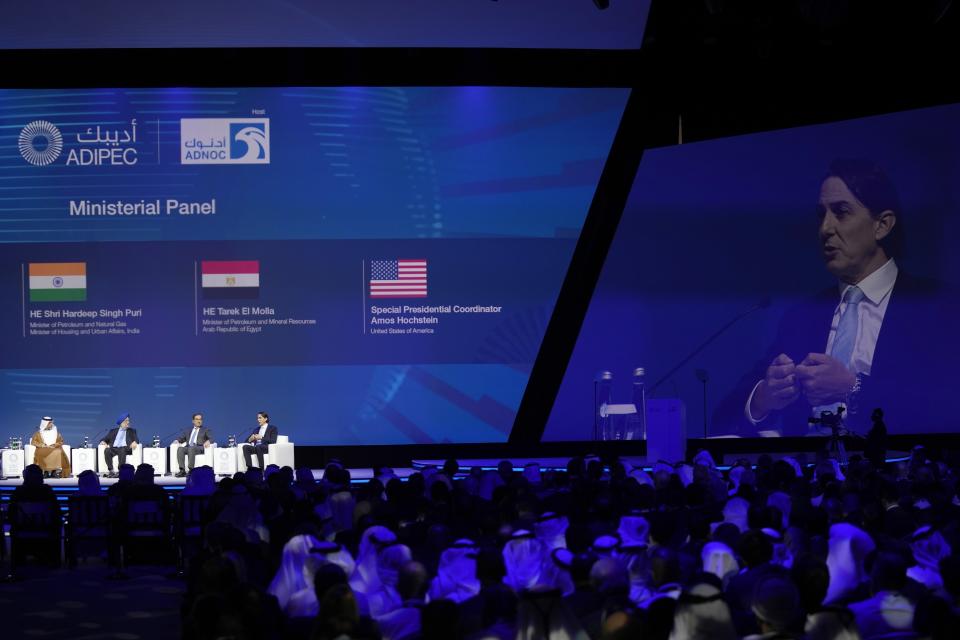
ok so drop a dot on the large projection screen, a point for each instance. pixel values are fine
(751, 234)
(370, 265)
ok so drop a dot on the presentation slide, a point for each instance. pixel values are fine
(370, 265)
(766, 233)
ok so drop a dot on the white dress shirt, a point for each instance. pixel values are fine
(877, 289)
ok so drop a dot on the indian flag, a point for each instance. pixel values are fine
(58, 281)
(230, 278)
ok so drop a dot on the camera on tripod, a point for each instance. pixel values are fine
(829, 419)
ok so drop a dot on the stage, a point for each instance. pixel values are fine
(174, 483)
(361, 475)
(357, 474)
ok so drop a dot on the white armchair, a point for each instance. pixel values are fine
(29, 451)
(280, 453)
(83, 459)
(204, 459)
(135, 459)
(13, 463)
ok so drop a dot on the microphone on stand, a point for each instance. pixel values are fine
(171, 435)
(101, 435)
(704, 377)
(763, 303)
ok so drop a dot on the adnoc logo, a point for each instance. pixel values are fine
(225, 141)
(253, 137)
(40, 143)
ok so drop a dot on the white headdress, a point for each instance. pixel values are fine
(48, 431)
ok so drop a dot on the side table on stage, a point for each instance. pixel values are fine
(11, 463)
(83, 459)
(225, 461)
(157, 458)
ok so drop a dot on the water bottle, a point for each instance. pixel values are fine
(602, 397)
(640, 400)
(156, 442)
(232, 441)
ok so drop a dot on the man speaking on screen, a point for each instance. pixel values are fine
(870, 340)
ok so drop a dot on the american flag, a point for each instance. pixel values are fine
(398, 279)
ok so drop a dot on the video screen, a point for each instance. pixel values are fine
(370, 265)
(778, 235)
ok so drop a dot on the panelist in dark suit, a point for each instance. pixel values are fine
(121, 441)
(875, 339)
(265, 434)
(193, 441)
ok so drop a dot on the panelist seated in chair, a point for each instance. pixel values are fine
(49, 454)
(194, 441)
(121, 442)
(258, 441)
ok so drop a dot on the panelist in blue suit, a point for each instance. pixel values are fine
(121, 441)
(265, 434)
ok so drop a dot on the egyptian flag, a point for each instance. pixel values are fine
(230, 279)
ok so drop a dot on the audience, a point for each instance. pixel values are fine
(777, 550)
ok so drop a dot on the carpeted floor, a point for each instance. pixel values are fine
(83, 604)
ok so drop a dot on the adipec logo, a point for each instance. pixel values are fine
(40, 143)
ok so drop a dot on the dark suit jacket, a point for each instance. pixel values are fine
(270, 437)
(112, 436)
(914, 363)
(202, 437)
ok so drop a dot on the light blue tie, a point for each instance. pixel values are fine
(193, 437)
(846, 337)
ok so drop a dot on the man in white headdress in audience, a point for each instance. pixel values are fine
(929, 548)
(719, 560)
(49, 454)
(551, 530)
(702, 613)
(366, 578)
(523, 557)
(295, 576)
(634, 531)
(387, 598)
(404, 621)
(848, 549)
(735, 512)
(557, 567)
(457, 573)
(326, 552)
(333, 553)
(889, 612)
(542, 613)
